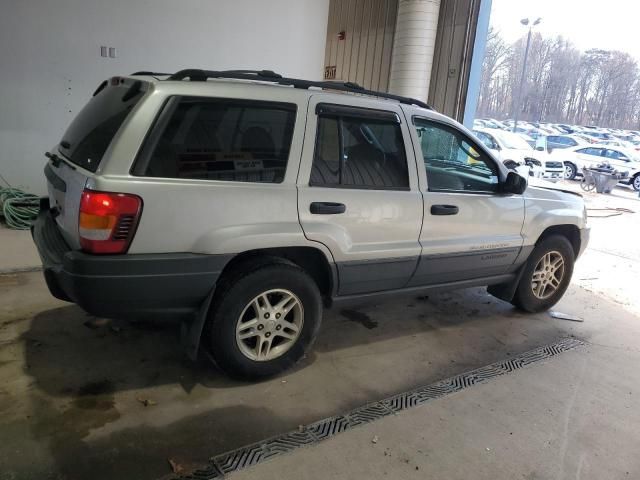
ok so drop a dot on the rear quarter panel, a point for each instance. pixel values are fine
(206, 216)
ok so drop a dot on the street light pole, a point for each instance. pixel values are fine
(518, 102)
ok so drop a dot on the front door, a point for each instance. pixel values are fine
(470, 229)
(358, 191)
(617, 159)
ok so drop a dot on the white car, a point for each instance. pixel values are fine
(618, 144)
(516, 153)
(623, 160)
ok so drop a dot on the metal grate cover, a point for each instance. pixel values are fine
(315, 432)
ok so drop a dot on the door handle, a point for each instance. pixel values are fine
(444, 210)
(327, 208)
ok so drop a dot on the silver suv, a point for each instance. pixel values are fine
(242, 202)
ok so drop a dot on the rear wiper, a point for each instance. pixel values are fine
(56, 160)
(65, 144)
(134, 90)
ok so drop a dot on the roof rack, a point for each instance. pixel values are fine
(197, 75)
(149, 74)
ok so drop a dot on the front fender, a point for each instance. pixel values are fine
(546, 208)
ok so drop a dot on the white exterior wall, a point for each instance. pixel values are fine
(413, 48)
(51, 64)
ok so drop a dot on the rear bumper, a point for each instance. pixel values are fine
(124, 285)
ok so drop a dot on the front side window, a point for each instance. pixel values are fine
(222, 139)
(451, 161)
(354, 151)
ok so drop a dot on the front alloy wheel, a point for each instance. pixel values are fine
(570, 171)
(548, 275)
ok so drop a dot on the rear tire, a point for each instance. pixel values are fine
(635, 183)
(546, 275)
(251, 337)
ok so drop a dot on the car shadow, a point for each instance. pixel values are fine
(67, 350)
(91, 378)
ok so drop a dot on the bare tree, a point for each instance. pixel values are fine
(497, 52)
(562, 84)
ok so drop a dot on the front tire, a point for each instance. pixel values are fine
(570, 171)
(546, 275)
(263, 321)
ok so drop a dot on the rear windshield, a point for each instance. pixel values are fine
(91, 132)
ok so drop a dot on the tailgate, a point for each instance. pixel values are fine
(83, 146)
(64, 185)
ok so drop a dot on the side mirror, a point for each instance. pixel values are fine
(514, 183)
(540, 148)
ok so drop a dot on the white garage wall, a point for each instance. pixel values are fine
(50, 56)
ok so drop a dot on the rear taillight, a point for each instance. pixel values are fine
(108, 221)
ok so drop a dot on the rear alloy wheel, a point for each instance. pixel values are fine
(570, 171)
(546, 275)
(263, 321)
(269, 325)
(636, 183)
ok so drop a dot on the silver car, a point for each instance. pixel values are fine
(243, 203)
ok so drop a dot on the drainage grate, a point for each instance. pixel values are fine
(313, 433)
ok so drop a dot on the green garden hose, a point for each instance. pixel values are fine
(19, 208)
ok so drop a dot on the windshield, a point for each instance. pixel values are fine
(91, 132)
(513, 141)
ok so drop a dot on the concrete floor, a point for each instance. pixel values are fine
(18, 251)
(71, 395)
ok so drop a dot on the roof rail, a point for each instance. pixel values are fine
(149, 74)
(198, 75)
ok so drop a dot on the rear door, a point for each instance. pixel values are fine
(358, 191)
(86, 141)
(470, 229)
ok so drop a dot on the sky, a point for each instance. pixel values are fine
(608, 24)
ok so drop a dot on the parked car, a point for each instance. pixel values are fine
(586, 138)
(551, 142)
(577, 158)
(512, 150)
(597, 136)
(487, 123)
(618, 143)
(565, 128)
(243, 206)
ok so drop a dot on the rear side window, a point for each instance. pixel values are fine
(220, 139)
(359, 149)
(89, 135)
(591, 151)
